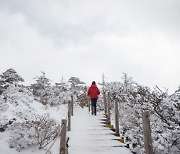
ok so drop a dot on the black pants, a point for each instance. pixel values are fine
(93, 105)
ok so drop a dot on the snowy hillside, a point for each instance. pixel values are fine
(18, 114)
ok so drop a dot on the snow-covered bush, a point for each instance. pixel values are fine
(164, 111)
(20, 117)
(166, 131)
(36, 132)
(11, 100)
(22, 135)
(46, 130)
(60, 94)
(82, 98)
(3, 105)
(24, 121)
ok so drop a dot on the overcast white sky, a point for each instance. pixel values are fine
(85, 38)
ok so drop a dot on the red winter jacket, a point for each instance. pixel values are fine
(93, 92)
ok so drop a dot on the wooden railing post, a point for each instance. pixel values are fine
(109, 112)
(63, 149)
(105, 102)
(72, 105)
(69, 116)
(116, 118)
(89, 105)
(147, 133)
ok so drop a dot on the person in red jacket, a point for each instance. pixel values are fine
(93, 93)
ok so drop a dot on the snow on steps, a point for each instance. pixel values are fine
(89, 136)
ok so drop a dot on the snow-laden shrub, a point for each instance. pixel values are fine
(38, 132)
(29, 128)
(22, 135)
(15, 97)
(82, 98)
(46, 130)
(3, 105)
(164, 110)
(59, 95)
(19, 114)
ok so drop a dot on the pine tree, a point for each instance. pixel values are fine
(8, 77)
(76, 85)
(41, 89)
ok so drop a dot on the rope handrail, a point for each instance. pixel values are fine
(60, 131)
(55, 139)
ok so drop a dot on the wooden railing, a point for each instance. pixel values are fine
(145, 122)
(65, 126)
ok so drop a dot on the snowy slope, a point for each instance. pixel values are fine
(20, 107)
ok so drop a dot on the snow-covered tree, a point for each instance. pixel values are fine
(60, 93)
(75, 85)
(8, 77)
(41, 89)
(11, 76)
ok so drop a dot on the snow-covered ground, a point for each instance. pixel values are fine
(88, 135)
(22, 107)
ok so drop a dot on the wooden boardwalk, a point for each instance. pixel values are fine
(89, 136)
